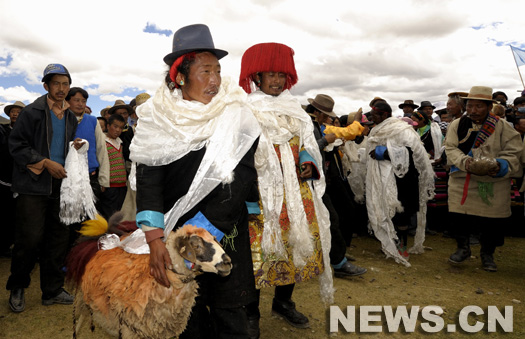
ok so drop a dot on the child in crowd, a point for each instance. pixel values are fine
(112, 197)
(103, 124)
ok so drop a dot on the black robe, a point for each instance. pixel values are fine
(159, 187)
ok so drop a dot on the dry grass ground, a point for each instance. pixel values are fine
(430, 281)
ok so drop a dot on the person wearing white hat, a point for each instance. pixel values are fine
(484, 153)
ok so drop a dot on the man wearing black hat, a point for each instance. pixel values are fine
(427, 108)
(39, 143)
(195, 149)
(408, 108)
(338, 197)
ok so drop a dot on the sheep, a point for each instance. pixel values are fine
(116, 289)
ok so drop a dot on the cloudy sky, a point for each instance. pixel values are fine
(350, 50)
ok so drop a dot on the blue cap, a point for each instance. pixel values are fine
(53, 69)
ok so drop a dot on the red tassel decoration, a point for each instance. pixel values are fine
(267, 57)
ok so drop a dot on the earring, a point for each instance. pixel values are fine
(182, 82)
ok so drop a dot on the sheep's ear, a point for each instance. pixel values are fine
(184, 247)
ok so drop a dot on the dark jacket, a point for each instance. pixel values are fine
(159, 187)
(6, 169)
(30, 142)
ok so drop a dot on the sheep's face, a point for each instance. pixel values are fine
(201, 248)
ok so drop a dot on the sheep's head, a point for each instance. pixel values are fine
(201, 248)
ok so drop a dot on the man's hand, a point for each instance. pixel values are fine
(495, 171)
(159, 260)
(467, 164)
(306, 171)
(77, 143)
(330, 137)
(56, 170)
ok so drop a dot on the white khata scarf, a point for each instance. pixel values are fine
(381, 188)
(281, 118)
(437, 139)
(77, 201)
(170, 127)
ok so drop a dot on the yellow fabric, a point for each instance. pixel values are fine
(273, 272)
(348, 133)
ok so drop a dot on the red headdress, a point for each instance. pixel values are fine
(267, 57)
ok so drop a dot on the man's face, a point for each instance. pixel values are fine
(122, 112)
(204, 79)
(520, 126)
(77, 104)
(428, 111)
(445, 117)
(272, 83)
(102, 125)
(478, 110)
(453, 108)
(377, 117)
(115, 129)
(13, 114)
(519, 105)
(323, 118)
(408, 109)
(501, 99)
(58, 87)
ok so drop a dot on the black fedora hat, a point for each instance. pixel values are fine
(426, 104)
(408, 103)
(192, 38)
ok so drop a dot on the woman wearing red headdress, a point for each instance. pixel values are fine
(290, 235)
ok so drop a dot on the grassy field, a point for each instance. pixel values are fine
(430, 281)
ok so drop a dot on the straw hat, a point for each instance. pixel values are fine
(104, 110)
(141, 98)
(120, 104)
(460, 94)
(7, 109)
(374, 100)
(480, 93)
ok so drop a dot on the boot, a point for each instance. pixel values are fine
(253, 328)
(287, 311)
(487, 262)
(462, 252)
(253, 315)
(487, 257)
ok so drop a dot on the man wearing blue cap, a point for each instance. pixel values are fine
(39, 143)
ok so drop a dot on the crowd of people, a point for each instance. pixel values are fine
(286, 186)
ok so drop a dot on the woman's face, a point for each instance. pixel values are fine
(204, 79)
(272, 83)
(420, 123)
